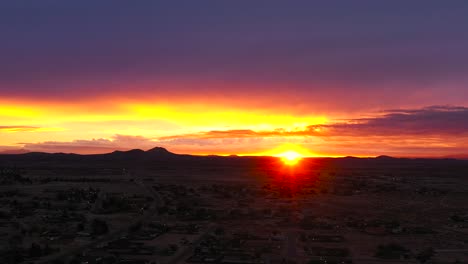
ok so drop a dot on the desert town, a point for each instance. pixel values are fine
(322, 215)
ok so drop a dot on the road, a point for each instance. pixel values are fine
(290, 245)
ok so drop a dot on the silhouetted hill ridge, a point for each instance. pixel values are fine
(14, 151)
(384, 157)
(159, 157)
(160, 151)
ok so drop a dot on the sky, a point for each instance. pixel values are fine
(325, 78)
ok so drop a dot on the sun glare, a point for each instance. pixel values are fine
(290, 157)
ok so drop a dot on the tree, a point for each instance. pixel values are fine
(425, 255)
(219, 231)
(99, 227)
(136, 227)
(391, 251)
(80, 226)
(47, 250)
(173, 247)
(12, 256)
(35, 251)
(15, 241)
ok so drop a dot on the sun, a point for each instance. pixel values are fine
(290, 157)
(290, 154)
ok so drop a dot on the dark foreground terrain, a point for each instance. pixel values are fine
(159, 207)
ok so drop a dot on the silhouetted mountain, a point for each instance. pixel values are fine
(160, 151)
(160, 158)
(117, 158)
(129, 154)
(350, 157)
(457, 156)
(14, 151)
(135, 152)
(384, 157)
(156, 153)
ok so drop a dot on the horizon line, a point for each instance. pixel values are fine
(454, 156)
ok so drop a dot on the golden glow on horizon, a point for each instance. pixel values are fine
(102, 125)
(87, 121)
(216, 118)
(290, 157)
(288, 147)
(291, 154)
(207, 116)
(18, 111)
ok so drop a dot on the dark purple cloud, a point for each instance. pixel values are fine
(441, 121)
(444, 121)
(389, 52)
(100, 145)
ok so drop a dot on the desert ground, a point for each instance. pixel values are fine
(143, 207)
